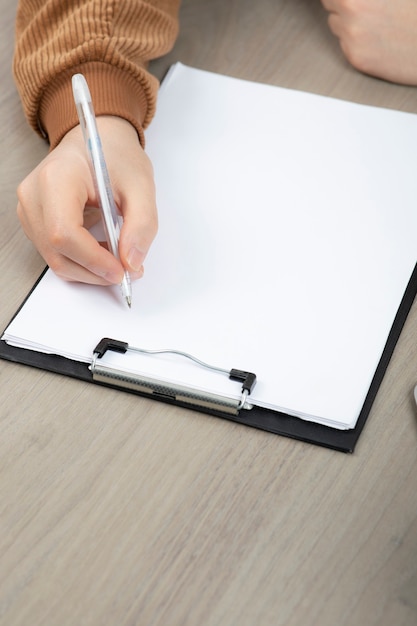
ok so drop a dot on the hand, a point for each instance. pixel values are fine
(57, 203)
(378, 37)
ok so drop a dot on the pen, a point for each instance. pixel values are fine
(85, 110)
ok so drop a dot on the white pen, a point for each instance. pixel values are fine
(85, 110)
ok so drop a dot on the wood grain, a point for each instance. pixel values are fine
(119, 510)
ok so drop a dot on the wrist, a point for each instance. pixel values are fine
(114, 93)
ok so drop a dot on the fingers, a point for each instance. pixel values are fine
(377, 38)
(337, 25)
(57, 204)
(51, 204)
(331, 5)
(342, 15)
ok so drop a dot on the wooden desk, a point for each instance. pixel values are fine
(116, 510)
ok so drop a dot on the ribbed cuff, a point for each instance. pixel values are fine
(113, 91)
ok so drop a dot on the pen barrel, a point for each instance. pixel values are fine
(110, 215)
(99, 172)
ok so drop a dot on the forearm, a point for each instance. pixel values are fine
(110, 42)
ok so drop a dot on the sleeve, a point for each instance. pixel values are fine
(109, 41)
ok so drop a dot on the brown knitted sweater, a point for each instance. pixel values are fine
(109, 41)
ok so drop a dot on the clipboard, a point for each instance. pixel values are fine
(301, 230)
(271, 421)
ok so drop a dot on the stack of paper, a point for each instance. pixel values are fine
(287, 239)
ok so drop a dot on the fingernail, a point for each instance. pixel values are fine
(135, 258)
(137, 275)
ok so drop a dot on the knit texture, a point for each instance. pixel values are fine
(109, 41)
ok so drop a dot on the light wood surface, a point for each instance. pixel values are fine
(116, 510)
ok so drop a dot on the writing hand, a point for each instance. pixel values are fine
(57, 204)
(378, 37)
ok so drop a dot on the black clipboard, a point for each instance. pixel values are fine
(263, 419)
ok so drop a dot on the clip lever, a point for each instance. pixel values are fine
(165, 390)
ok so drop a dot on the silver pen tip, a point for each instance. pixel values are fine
(129, 301)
